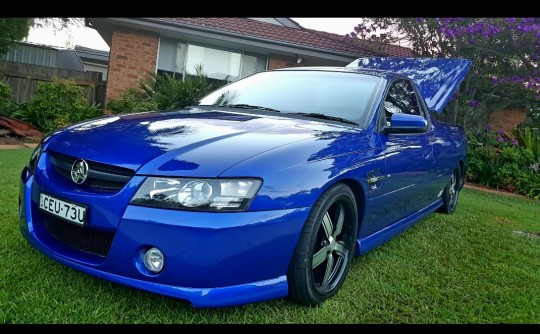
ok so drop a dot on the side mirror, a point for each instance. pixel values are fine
(405, 123)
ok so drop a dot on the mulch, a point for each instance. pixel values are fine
(15, 133)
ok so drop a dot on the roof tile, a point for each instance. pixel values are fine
(300, 37)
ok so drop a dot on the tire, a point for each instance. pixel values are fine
(451, 194)
(324, 253)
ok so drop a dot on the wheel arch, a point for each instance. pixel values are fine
(306, 285)
(360, 199)
(462, 170)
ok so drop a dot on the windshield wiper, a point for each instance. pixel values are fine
(249, 106)
(323, 116)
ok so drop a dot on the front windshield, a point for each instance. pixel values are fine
(335, 94)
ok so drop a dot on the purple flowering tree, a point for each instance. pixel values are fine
(504, 51)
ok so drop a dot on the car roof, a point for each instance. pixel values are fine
(376, 72)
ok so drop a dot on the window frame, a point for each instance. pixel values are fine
(423, 110)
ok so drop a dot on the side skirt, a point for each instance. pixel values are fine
(378, 238)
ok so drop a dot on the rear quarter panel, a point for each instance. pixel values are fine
(449, 151)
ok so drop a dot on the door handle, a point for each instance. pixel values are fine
(375, 179)
(372, 179)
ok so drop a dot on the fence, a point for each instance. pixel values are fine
(24, 79)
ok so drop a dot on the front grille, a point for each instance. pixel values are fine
(82, 238)
(100, 176)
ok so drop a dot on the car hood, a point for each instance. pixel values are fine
(436, 78)
(195, 141)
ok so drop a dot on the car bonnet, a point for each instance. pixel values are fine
(436, 78)
(198, 142)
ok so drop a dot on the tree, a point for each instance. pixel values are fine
(57, 23)
(504, 52)
(12, 29)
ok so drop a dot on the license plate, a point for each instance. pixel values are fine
(71, 212)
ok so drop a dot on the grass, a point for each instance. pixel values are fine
(466, 268)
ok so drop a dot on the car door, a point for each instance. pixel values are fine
(400, 190)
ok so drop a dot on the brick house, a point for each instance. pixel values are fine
(507, 119)
(228, 48)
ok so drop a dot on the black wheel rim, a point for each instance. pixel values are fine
(332, 246)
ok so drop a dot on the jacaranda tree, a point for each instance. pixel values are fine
(504, 52)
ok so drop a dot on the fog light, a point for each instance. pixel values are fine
(154, 260)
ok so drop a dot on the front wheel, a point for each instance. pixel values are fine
(326, 247)
(451, 194)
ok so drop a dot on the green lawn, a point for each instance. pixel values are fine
(470, 267)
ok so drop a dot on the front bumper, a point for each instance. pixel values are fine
(211, 259)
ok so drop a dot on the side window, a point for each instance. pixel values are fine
(401, 98)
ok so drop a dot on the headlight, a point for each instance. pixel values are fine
(34, 158)
(197, 194)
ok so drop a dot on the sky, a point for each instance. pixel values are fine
(89, 38)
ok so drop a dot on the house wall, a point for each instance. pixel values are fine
(506, 119)
(280, 61)
(133, 55)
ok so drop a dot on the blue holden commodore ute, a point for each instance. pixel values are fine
(266, 188)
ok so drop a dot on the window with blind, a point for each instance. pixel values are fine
(181, 59)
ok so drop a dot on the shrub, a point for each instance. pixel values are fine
(56, 104)
(7, 106)
(163, 92)
(496, 160)
(480, 160)
(170, 93)
(528, 183)
(24, 113)
(510, 162)
(88, 112)
(132, 101)
(529, 138)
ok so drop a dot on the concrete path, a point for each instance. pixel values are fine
(16, 146)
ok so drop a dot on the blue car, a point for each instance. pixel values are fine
(266, 188)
